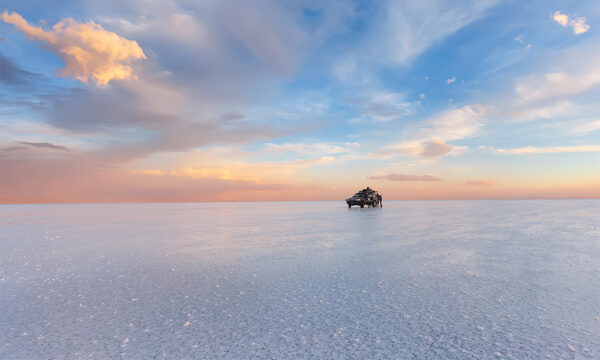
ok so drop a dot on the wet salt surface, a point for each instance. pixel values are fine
(414, 280)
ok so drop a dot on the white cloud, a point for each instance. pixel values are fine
(314, 149)
(558, 84)
(451, 80)
(414, 26)
(550, 150)
(430, 141)
(578, 24)
(587, 126)
(453, 124)
(554, 110)
(89, 51)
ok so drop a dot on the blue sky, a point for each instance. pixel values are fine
(287, 100)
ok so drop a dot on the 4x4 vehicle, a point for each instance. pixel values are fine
(368, 197)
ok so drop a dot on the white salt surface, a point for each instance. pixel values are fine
(414, 280)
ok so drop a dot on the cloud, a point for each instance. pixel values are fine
(32, 175)
(520, 40)
(134, 124)
(550, 150)
(558, 84)
(12, 75)
(89, 51)
(232, 117)
(567, 91)
(345, 70)
(414, 26)
(480, 182)
(383, 107)
(587, 126)
(310, 148)
(561, 18)
(434, 148)
(578, 24)
(451, 80)
(430, 140)
(557, 109)
(44, 145)
(405, 177)
(254, 30)
(453, 124)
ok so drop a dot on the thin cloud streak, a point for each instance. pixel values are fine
(480, 182)
(44, 145)
(550, 150)
(405, 177)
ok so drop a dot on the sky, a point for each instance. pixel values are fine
(180, 100)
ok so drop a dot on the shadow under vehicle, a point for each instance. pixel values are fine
(365, 197)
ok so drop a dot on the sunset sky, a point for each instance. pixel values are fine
(147, 100)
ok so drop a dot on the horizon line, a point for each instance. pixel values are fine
(274, 201)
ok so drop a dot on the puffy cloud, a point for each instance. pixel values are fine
(480, 182)
(405, 177)
(561, 18)
(550, 150)
(578, 24)
(89, 51)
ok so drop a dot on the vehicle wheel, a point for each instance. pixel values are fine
(362, 206)
(349, 206)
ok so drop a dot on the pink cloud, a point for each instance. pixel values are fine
(406, 177)
(480, 182)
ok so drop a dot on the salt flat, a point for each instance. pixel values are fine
(301, 280)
